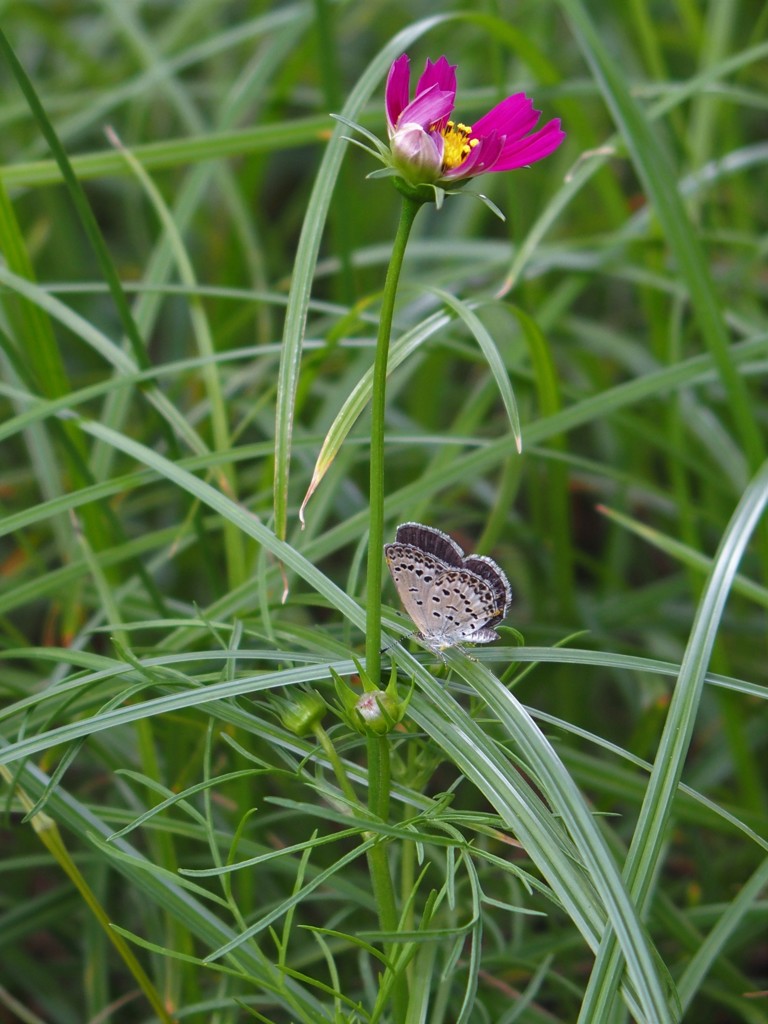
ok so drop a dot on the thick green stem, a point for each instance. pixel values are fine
(378, 804)
(378, 406)
(378, 865)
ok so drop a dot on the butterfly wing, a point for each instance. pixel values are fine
(414, 573)
(495, 577)
(462, 606)
(431, 542)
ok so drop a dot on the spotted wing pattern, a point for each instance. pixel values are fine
(451, 599)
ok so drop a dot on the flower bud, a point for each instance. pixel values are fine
(376, 711)
(417, 154)
(379, 711)
(301, 713)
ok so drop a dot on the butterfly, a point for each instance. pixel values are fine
(451, 598)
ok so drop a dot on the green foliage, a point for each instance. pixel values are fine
(570, 826)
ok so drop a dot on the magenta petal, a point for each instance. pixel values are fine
(397, 91)
(482, 158)
(521, 152)
(439, 73)
(428, 108)
(513, 117)
(490, 149)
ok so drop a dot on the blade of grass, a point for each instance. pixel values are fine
(638, 954)
(236, 562)
(158, 887)
(80, 202)
(686, 555)
(716, 941)
(467, 745)
(49, 834)
(465, 311)
(106, 348)
(594, 409)
(557, 506)
(155, 156)
(360, 395)
(657, 173)
(651, 831)
(306, 259)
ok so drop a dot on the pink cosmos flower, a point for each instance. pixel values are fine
(428, 148)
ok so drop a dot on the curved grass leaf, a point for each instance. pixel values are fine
(651, 830)
(306, 258)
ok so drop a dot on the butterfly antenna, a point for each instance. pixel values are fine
(389, 646)
(399, 642)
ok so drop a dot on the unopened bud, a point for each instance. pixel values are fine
(301, 713)
(379, 711)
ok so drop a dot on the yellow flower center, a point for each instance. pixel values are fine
(457, 144)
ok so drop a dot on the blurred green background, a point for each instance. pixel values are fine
(625, 294)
